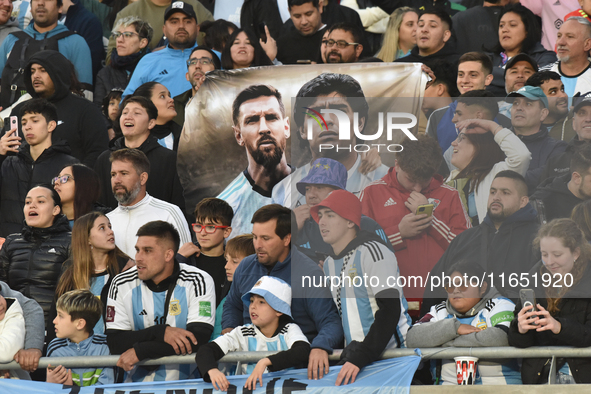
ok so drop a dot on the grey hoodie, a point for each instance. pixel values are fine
(7, 28)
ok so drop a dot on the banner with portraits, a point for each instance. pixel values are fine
(210, 155)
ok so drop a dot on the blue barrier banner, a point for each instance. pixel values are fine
(386, 376)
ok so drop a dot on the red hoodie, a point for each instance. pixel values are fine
(383, 201)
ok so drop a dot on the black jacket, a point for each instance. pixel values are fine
(447, 54)
(163, 180)
(560, 165)
(477, 29)
(506, 250)
(180, 102)
(31, 261)
(19, 173)
(162, 131)
(108, 78)
(542, 147)
(575, 320)
(80, 122)
(557, 200)
(255, 12)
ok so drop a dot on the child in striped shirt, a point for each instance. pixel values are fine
(77, 313)
(271, 329)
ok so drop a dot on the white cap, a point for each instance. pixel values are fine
(275, 291)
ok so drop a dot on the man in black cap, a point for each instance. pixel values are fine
(517, 71)
(168, 66)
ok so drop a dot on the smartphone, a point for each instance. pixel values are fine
(425, 209)
(262, 33)
(304, 61)
(528, 298)
(14, 125)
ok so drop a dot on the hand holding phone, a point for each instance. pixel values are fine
(527, 316)
(426, 209)
(10, 141)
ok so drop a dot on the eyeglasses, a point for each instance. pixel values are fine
(210, 229)
(342, 44)
(205, 61)
(61, 179)
(125, 34)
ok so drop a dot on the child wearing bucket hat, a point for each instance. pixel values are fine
(269, 306)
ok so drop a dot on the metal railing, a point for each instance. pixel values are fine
(426, 353)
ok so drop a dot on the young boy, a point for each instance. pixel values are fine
(31, 163)
(271, 328)
(12, 334)
(237, 249)
(213, 218)
(77, 312)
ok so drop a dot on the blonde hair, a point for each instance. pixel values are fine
(240, 246)
(390, 43)
(81, 304)
(573, 238)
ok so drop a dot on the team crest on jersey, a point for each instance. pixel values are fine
(352, 273)
(435, 202)
(174, 308)
(481, 324)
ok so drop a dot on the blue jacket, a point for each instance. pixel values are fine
(74, 48)
(94, 345)
(167, 66)
(312, 307)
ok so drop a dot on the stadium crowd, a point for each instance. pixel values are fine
(102, 254)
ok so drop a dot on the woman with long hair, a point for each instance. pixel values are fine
(482, 149)
(31, 261)
(519, 32)
(401, 34)
(243, 50)
(79, 190)
(563, 297)
(95, 260)
(166, 130)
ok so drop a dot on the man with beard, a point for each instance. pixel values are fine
(556, 197)
(201, 61)
(129, 175)
(137, 117)
(557, 122)
(168, 66)
(501, 244)
(581, 124)
(260, 125)
(329, 91)
(572, 50)
(343, 44)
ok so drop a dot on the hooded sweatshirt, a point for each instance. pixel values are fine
(446, 54)
(560, 165)
(19, 173)
(492, 314)
(557, 199)
(73, 47)
(542, 148)
(80, 122)
(7, 28)
(503, 251)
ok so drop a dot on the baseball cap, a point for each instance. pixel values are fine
(180, 6)
(343, 203)
(580, 100)
(324, 172)
(275, 291)
(530, 92)
(522, 57)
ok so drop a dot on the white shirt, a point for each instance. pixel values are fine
(126, 221)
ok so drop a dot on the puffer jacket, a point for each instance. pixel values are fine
(31, 261)
(19, 173)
